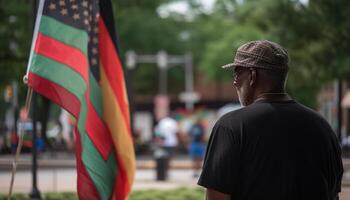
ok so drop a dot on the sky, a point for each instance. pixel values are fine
(182, 7)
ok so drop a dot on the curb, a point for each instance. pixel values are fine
(6, 164)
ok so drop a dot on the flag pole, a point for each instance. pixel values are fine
(20, 142)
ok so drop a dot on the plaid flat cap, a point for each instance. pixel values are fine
(261, 54)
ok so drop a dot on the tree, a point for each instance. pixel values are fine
(15, 31)
(314, 33)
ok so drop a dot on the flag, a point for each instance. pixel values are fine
(74, 62)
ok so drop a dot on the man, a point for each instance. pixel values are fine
(273, 148)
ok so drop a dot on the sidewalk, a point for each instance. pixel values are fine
(64, 160)
(57, 173)
(67, 160)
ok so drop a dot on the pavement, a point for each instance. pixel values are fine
(57, 172)
(58, 180)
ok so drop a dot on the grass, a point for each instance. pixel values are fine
(151, 194)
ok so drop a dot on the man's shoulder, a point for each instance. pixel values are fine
(234, 117)
(314, 116)
(308, 112)
(233, 114)
(259, 111)
(244, 112)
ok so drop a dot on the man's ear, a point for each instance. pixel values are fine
(252, 77)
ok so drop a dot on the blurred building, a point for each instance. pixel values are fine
(328, 106)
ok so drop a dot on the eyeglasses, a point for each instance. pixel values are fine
(238, 71)
(236, 74)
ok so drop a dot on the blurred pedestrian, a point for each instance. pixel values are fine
(167, 129)
(273, 148)
(67, 124)
(166, 132)
(25, 128)
(197, 146)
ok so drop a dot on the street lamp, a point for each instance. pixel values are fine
(164, 61)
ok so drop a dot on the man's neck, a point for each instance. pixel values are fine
(272, 96)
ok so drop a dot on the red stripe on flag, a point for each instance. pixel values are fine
(98, 131)
(63, 53)
(113, 69)
(86, 188)
(55, 92)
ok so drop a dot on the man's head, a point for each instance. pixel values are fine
(259, 67)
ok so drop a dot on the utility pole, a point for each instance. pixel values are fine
(339, 109)
(35, 193)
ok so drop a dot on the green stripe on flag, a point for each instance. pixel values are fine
(101, 172)
(104, 186)
(64, 33)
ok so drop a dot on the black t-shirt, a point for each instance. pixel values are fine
(278, 150)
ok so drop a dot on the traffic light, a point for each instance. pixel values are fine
(8, 94)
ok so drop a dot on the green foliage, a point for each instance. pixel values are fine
(15, 33)
(222, 50)
(46, 196)
(58, 196)
(174, 194)
(16, 25)
(141, 29)
(15, 196)
(152, 194)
